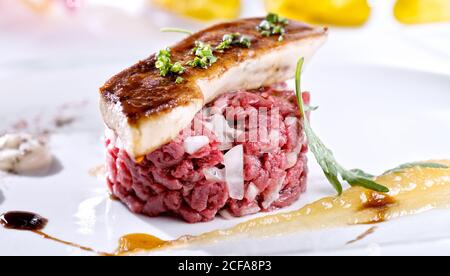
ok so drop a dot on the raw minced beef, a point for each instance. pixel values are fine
(266, 122)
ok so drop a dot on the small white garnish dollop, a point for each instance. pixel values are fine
(24, 154)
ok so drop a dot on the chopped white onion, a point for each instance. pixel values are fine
(225, 146)
(266, 148)
(195, 143)
(252, 192)
(271, 145)
(234, 172)
(219, 106)
(274, 136)
(206, 112)
(208, 126)
(274, 195)
(290, 120)
(292, 159)
(214, 174)
(250, 210)
(298, 148)
(226, 214)
(219, 125)
(224, 132)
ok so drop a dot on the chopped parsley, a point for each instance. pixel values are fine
(166, 67)
(204, 55)
(179, 80)
(230, 40)
(273, 25)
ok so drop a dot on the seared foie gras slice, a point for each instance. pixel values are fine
(147, 110)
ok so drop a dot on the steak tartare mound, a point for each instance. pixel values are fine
(243, 153)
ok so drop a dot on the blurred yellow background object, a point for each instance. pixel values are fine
(330, 12)
(203, 9)
(422, 11)
(38, 6)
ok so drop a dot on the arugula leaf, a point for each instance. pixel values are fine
(361, 179)
(362, 173)
(324, 156)
(403, 167)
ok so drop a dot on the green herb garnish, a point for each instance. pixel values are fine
(273, 25)
(403, 167)
(165, 65)
(204, 56)
(179, 80)
(230, 40)
(363, 173)
(324, 156)
(177, 68)
(176, 30)
(163, 62)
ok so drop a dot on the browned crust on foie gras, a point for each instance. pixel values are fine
(143, 93)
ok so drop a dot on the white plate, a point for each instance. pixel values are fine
(373, 117)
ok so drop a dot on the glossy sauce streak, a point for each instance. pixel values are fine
(369, 232)
(138, 242)
(376, 200)
(379, 203)
(71, 244)
(412, 191)
(34, 223)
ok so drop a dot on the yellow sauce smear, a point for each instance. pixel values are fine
(138, 242)
(412, 191)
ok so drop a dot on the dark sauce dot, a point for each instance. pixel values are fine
(379, 203)
(378, 200)
(113, 197)
(23, 221)
(35, 223)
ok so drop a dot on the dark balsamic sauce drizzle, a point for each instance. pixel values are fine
(23, 221)
(84, 248)
(34, 223)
